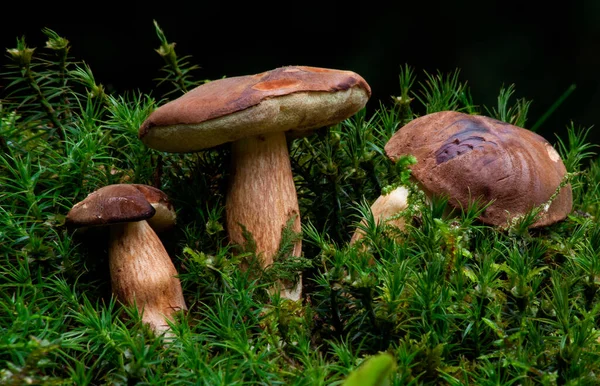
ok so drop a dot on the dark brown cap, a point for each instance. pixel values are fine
(297, 98)
(467, 157)
(120, 203)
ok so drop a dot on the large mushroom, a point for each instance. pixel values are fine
(472, 157)
(141, 270)
(254, 112)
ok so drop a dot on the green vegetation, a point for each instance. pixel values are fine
(452, 301)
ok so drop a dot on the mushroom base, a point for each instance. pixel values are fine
(384, 208)
(262, 197)
(143, 274)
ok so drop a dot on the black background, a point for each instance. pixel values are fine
(542, 50)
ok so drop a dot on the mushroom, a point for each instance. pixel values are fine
(141, 270)
(385, 210)
(468, 157)
(254, 112)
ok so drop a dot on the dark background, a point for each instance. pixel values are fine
(542, 50)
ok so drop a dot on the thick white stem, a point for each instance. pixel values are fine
(262, 197)
(142, 272)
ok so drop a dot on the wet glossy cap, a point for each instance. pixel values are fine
(292, 98)
(120, 203)
(465, 157)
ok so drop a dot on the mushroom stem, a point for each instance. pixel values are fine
(262, 197)
(142, 272)
(384, 208)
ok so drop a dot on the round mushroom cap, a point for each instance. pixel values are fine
(468, 157)
(292, 98)
(120, 203)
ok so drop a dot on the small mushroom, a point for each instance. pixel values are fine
(385, 210)
(254, 113)
(141, 270)
(468, 157)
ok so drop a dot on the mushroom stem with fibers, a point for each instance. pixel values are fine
(262, 197)
(142, 273)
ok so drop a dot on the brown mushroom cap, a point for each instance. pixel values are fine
(467, 157)
(120, 203)
(165, 216)
(297, 98)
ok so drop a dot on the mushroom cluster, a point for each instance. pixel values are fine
(141, 270)
(466, 157)
(254, 113)
(461, 156)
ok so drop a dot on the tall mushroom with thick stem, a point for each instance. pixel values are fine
(141, 270)
(254, 112)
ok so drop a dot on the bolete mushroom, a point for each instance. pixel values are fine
(472, 157)
(254, 112)
(141, 270)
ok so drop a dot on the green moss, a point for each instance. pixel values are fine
(451, 301)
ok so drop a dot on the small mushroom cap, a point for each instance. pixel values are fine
(297, 98)
(120, 203)
(468, 157)
(165, 216)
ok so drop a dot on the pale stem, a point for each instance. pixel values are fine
(384, 208)
(262, 196)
